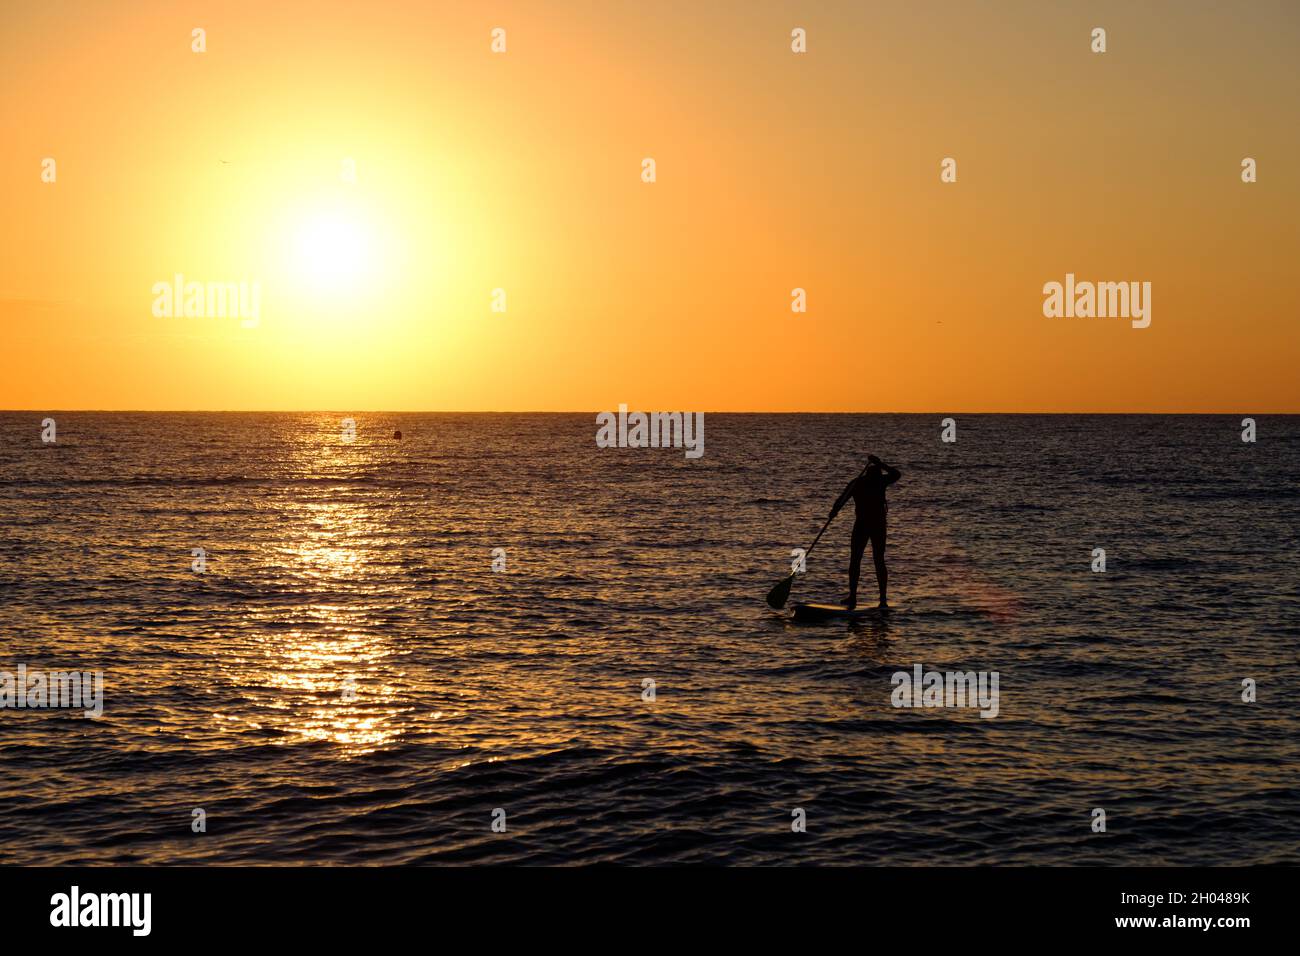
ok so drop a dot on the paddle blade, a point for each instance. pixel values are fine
(779, 594)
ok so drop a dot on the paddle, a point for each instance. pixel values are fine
(780, 592)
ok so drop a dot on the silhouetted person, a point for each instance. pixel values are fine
(868, 494)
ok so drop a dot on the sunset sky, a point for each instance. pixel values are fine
(522, 171)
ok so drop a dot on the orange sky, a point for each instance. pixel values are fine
(522, 171)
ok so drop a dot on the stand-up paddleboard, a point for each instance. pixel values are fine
(835, 612)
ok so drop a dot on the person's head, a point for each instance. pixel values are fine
(873, 470)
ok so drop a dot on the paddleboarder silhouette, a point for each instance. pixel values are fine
(868, 494)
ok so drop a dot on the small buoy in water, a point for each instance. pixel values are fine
(397, 435)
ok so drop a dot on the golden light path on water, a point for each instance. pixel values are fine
(336, 679)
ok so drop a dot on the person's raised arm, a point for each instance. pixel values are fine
(891, 474)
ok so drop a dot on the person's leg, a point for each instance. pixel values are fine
(878, 558)
(857, 546)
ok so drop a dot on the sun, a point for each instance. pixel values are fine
(333, 252)
(335, 258)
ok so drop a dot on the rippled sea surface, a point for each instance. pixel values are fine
(350, 681)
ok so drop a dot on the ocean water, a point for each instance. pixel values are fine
(350, 681)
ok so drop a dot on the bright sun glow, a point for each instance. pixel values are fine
(334, 253)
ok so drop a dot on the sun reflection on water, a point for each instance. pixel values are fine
(322, 688)
(319, 669)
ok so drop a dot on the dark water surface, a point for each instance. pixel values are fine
(371, 562)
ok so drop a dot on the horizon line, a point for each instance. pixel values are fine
(508, 411)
